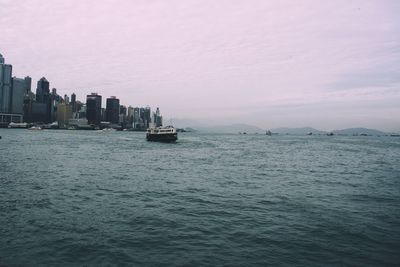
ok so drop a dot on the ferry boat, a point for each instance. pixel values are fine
(162, 134)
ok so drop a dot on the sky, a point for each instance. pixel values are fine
(326, 64)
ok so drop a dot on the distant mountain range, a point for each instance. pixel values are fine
(240, 128)
(201, 127)
(358, 131)
(297, 131)
(234, 128)
(348, 131)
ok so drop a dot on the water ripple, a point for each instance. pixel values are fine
(74, 198)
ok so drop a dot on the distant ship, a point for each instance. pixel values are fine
(162, 134)
(18, 125)
(35, 128)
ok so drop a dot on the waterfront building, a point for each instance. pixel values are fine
(6, 118)
(112, 110)
(38, 112)
(5, 86)
(64, 114)
(93, 109)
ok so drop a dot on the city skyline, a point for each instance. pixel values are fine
(309, 63)
(20, 107)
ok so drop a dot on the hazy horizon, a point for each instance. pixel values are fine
(328, 65)
(231, 128)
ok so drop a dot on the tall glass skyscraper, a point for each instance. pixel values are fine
(93, 109)
(5, 86)
(42, 90)
(112, 110)
(43, 97)
(18, 92)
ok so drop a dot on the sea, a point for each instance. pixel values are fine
(93, 198)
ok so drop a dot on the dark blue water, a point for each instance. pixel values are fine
(86, 198)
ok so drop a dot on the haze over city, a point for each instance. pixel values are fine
(271, 64)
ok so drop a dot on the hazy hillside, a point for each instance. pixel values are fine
(234, 128)
(358, 131)
(297, 131)
(241, 127)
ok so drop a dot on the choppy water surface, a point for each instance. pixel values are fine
(75, 198)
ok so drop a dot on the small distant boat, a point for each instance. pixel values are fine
(35, 128)
(52, 126)
(310, 133)
(268, 133)
(162, 134)
(330, 134)
(108, 130)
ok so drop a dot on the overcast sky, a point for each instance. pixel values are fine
(327, 64)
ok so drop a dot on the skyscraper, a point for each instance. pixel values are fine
(19, 88)
(147, 117)
(93, 108)
(28, 84)
(73, 102)
(5, 86)
(130, 115)
(137, 121)
(66, 99)
(112, 110)
(122, 115)
(43, 91)
(157, 118)
(29, 98)
(43, 97)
